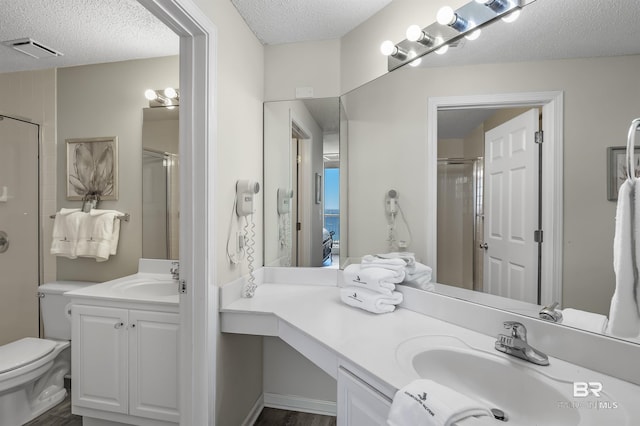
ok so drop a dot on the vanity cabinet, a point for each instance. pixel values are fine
(125, 361)
(359, 404)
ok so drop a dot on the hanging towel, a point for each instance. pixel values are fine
(375, 279)
(99, 234)
(624, 318)
(584, 320)
(428, 403)
(66, 227)
(371, 301)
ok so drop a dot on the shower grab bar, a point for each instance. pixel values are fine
(126, 217)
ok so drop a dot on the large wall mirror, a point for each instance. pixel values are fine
(160, 183)
(302, 209)
(432, 134)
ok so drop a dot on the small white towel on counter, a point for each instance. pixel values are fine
(624, 315)
(66, 227)
(375, 279)
(99, 234)
(372, 301)
(428, 403)
(394, 264)
(584, 320)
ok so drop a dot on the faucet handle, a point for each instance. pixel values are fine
(518, 330)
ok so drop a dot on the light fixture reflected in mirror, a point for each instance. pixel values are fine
(387, 48)
(167, 98)
(446, 16)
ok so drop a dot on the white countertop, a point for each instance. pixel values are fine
(370, 341)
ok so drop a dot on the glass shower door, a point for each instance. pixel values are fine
(19, 227)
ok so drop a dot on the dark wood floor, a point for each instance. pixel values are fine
(60, 415)
(275, 417)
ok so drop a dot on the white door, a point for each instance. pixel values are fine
(99, 358)
(153, 365)
(511, 209)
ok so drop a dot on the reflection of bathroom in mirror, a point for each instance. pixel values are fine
(160, 183)
(445, 187)
(302, 183)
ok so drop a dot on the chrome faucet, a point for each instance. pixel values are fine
(516, 344)
(550, 313)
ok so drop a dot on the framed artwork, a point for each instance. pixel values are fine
(617, 169)
(92, 168)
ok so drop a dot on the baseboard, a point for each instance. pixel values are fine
(255, 412)
(297, 403)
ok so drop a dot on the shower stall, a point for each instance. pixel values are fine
(460, 222)
(19, 228)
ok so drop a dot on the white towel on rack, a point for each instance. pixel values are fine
(371, 301)
(99, 234)
(428, 403)
(375, 279)
(66, 227)
(624, 317)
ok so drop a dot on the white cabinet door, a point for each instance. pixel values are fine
(358, 403)
(153, 365)
(99, 358)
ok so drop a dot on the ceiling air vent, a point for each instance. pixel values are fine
(32, 48)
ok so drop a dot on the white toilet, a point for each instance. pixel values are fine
(32, 370)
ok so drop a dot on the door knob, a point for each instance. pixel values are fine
(484, 246)
(4, 242)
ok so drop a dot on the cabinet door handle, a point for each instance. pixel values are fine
(133, 326)
(118, 325)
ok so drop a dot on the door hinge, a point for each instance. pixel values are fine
(539, 136)
(537, 236)
(298, 226)
(182, 286)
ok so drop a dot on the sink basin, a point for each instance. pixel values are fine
(528, 395)
(147, 287)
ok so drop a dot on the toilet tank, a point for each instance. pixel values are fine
(53, 307)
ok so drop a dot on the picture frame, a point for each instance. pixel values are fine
(92, 168)
(617, 169)
(318, 188)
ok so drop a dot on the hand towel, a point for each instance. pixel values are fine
(370, 261)
(371, 301)
(408, 257)
(584, 320)
(99, 235)
(624, 318)
(375, 279)
(428, 403)
(66, 228)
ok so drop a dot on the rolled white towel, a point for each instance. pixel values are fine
(584, 320)
(374, 279)
(370, 261)
(428, 403)
(371, 301)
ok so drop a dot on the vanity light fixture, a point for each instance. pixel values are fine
(473, 35)
(169, 97)
(443, 49)
(387, 48)
(415, 62)
(495, 5)
(415, 33)
(446, 16)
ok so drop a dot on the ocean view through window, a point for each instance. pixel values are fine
(332, 202)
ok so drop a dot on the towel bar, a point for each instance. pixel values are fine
(126, 217)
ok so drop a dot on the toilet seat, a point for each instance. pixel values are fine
(24, 351)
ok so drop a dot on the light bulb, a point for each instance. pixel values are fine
(511, 17)
(150, 94)
(415, 62)
(170, 92)
(443, 49)
(484, 1)
(387, 48)
(473, 35)
(414, 33)
(446, 16)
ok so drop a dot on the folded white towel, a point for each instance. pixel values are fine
(374, 279)
(371, 301)
(428, 403)
(419, 272)
(370, 261)
(584, 320)
(624, 318)
(408, 257)
(99, 235)
(66, 227)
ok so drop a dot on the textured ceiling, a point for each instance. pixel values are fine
(289, 21)
(85, 31)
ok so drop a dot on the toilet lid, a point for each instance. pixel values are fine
(24, 351)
